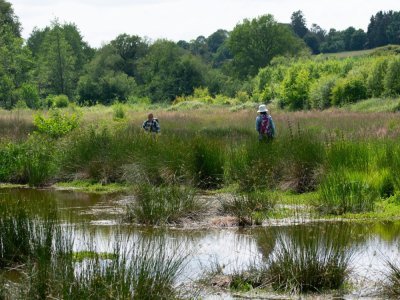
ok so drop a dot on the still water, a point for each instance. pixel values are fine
(99, 218)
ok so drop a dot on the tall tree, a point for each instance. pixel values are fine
(9, 19)
(15, 59)
(298, 23)
(169, 71)
(104, 80)
(254, 43)
(131, 49)
(56, 63)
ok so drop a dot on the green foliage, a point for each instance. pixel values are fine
(295, 87)
(375, 80)
(250, 208)
(349, 89)
(392, 78)
(305, 260)
(29, 94)
(11, 161)
(38, 164)
(169, 71)
(60, 101)
(342, 193)
(207, 162)
(260, 33)
(321, 92)
(118, 111)
(57, 124)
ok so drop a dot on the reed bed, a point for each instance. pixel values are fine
(215, 148)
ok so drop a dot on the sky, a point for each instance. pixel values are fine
(100, 21)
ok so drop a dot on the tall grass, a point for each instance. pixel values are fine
(144, 271)
(391, 287)
(346, 193)
(164, 205)
(42, 251)
(250, 208)
(310, 258)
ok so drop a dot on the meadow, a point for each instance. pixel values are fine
(338, 163)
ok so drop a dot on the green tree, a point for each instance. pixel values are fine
(56, 64)
(254, 43)
(215, 40)
(104, 80)
(9, 19)
(130, 49)
(298, 23)
(15, 59)
(169, 71)
(392, 78)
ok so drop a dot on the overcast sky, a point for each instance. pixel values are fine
(101, 21)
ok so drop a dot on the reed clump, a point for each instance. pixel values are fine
(164, 205)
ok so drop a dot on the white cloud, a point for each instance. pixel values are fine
(101, 21)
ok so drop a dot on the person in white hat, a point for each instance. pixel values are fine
(264, 124)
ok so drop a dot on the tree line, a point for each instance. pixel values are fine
(55, 65)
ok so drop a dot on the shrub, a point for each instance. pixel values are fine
(375, 80)
(60, 101)
(321, 92)
(57, 124)
(350, 89)
(118, 111)
(392, 78)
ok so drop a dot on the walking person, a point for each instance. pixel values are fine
(264, 124)
(151, 124)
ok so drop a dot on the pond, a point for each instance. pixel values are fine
(99, 218)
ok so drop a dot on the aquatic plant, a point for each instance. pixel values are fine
(164, 204)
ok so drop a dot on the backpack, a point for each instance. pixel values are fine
(265, 127)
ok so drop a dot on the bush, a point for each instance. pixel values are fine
(295, 88)
(118, 111)
(60, 101)
(321, 92)
(57, 124)
(375, 80)
(392, 78)
(350, 89)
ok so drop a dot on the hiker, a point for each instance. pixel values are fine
(151, 124)
(264, 124)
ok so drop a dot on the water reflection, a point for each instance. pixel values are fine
(95, 218)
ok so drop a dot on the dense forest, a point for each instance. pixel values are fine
(260, 58)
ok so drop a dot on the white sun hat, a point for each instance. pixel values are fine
(262, 108)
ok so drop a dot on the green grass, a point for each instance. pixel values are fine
(250, 208)
(391, 286)
(93, 187)
(374, 105)
(304, 260)
(42, 252)
(164, 205)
